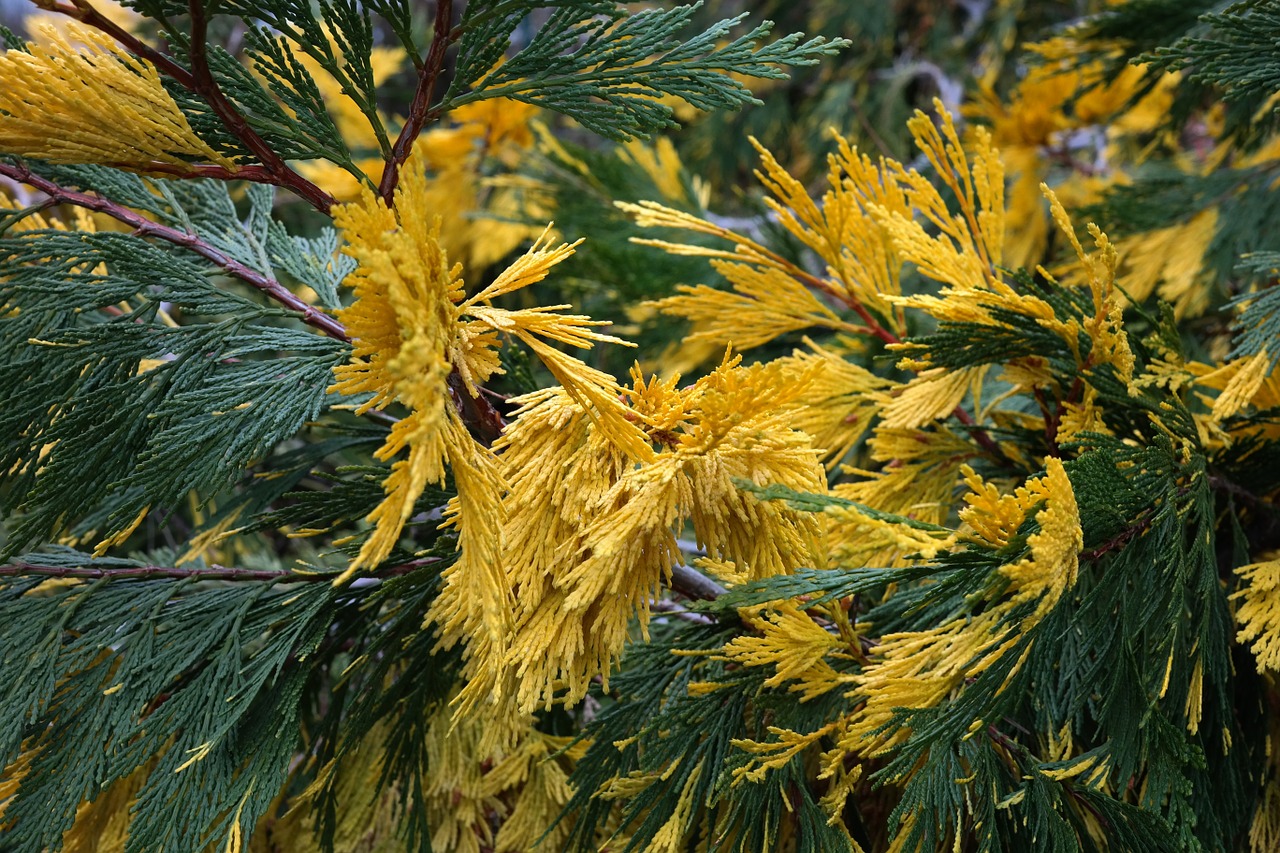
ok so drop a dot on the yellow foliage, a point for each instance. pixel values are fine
(479, 214)
(1259, 612)
(963, 250)
(569, 526)
(474, 787)
(1081, 417)
(412, 329)
(1110, 343)
(670, 837)
(774, 300)
(535, 776)
(919, 669)
(1264, 830)
(840, 403)
(916, 482)
(368, 821)
(775, 754)
(661, 162)
(791, 641)
(1031, 127)
(402, 324)
(1245, 378)
(97, 105)
(861, 266)
(779, 297)
(971, 241)
(1169, 262)
(591, 534)
(459, 804)
(872, 219)
(414, 334)
(931, 395)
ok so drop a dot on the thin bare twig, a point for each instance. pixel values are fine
(670, 608)
(692, 584)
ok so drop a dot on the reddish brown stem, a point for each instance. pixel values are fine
(1051, 420)
(873, 325)
(207, 88)
(85, 13)
(485, 422)
(979, 434)
(142, 226)
(257, 174)
(200, 80)
(1122, 538)
(442, 35)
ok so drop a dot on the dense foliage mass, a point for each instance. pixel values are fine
(415, 434)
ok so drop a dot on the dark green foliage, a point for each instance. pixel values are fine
(1257, 326)
(274, 59)
(398, 15)
(1111, 662)
(655, 724)
(336, 500)
(202, 688)
(1141, 25)
(607, 70)
(1163, 196)
(208, 396)
(1233, 49)
(11, 40)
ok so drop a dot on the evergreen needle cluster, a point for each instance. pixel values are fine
(335, 516)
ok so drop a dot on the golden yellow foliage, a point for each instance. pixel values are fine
(96, 104)
(591, 534)
(413, 329)
(840, 402)
(1264, 830)
(919, 669)
(791, 641)
(1169, 262)
(1259, 612)
(917, 481)
(534, 775)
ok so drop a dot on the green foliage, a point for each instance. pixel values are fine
(657, 725)
(1231, 49)
(196, 685)
(221, 390)
(1257, 327)
(609, 71)
(1035, 609)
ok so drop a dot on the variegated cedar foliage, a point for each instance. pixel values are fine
(945, 522)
